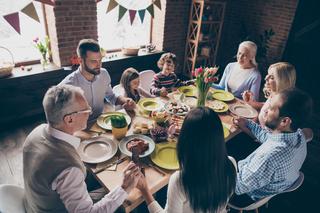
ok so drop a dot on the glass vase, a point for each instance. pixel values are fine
(202, 97)
(44, 62)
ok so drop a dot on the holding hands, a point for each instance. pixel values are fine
(128, 104)
(163, 92)
(247, 96)
(131, 176)
(240, 123)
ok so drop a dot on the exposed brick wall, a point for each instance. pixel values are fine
(170, 28)
(257, 16)
(73, 20)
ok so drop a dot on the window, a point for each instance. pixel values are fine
(115, 35)
(21, 45)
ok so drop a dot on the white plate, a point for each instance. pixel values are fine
(97, 150)
(243, 110)
(124, 141)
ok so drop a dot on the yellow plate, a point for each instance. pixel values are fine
(165, 156)
(188, 90)
(226, 131)
(222, 95)
(150, 104)
(104, 120)
(211, 105)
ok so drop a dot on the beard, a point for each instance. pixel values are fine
(273, 124)
(95, 71)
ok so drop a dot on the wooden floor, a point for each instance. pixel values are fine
(11, 142)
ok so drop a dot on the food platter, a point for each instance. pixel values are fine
(218, 106)
(123, 144)
(176, 108)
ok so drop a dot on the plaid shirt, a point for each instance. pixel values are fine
(274, 166)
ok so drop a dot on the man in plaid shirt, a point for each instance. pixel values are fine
(275, 165)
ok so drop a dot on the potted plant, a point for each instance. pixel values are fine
(119, 126)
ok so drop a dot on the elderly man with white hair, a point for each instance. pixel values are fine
(52, 169)
(242, 75)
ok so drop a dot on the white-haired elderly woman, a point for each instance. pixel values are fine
(242, 75)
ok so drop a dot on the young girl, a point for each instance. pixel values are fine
(130, 82)
(166, 80)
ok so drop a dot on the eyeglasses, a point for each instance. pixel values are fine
(89, 110)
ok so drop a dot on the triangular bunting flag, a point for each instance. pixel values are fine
(30, 11)
(112, 4)
(49, 2)
(13, 20)
(141, 14)
(150, 10)
(122, 11)
(132, 14)
(158, 4)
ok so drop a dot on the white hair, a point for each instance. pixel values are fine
(58, 101)
(252, 47)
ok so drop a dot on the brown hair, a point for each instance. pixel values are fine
(167, 56)
(127, 76)
(87, 45)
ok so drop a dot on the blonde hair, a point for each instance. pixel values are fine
(285, 76)
(252, 47)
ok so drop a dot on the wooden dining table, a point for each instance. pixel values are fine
(156, 177)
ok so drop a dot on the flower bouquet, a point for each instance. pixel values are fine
(43, 47)
(204, 77)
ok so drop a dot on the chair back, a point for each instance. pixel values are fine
(11, 199)
(146, 78)
(264, 200)
(296, 184)
(118, 90)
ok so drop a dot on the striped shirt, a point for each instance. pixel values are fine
(160, 80)
(274, 166)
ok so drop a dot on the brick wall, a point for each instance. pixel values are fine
(170, 28)
(70, 21)
(256, 16)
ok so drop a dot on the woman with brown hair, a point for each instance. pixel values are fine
(206, 179)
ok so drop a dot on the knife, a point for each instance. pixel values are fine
(111, 164)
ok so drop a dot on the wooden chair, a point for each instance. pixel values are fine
(11, 199)
(255, 206)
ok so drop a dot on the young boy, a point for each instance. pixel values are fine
(166, 80)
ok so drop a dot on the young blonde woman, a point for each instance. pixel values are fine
(281, 76)
(242, 75)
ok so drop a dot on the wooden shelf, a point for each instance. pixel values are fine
(212, 29)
